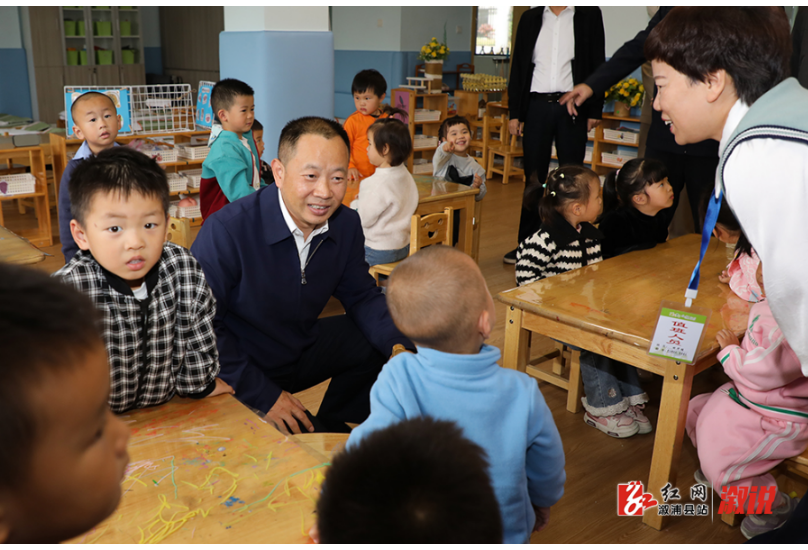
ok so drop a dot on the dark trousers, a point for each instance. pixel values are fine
(342, 353)
(547, 121)
(694, 172)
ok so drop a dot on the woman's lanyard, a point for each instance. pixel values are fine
(709, 224)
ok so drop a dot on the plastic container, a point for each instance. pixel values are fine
(103, 28)
(128, 57)
(17, 184)
(80, 27)
(194, 177)
(103, 57)
(72, 57)
(70, 27)
(178, 211)
(82, 57)
(126, 29)
(176, 182)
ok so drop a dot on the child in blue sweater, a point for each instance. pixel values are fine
(438, 298)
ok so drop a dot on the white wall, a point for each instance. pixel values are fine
(622, 23)
(356, 28)
(420, 24)
(272, 18)
(150, 19)
(10, 35)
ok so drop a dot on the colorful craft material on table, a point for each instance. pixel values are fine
(212, 471)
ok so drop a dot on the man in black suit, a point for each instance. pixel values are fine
(556, 47)
(690, 165)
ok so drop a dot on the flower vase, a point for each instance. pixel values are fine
(622, 109)
(433, 70)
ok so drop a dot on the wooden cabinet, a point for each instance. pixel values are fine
(602, 145)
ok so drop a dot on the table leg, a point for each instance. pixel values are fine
(465, 234)
(669, 434)
(476, 231)
(516, 341)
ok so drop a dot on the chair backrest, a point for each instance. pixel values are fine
(497, 125)
(179, 231)
(431, 229)
(465, 68)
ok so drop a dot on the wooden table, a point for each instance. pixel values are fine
(211, 471)
(16, 250)
(611, 308)
(435, 194)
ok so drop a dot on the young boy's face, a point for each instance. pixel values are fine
(79, 456)
(96, 121)
(367, 102)
(240, 116)
(460, 136)
(258, 138)
(126, 236)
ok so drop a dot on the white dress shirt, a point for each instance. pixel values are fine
(554, 52)
(765, 185)
(302, 244)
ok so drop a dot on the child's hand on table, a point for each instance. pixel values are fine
(727, 338)
(542, 518)
(286, 411)
(724, 277)
(354, 174)
(221, 387)
(477, 182)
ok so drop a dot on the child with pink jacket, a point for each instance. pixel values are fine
(749, 425)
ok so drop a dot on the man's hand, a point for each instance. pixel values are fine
(592, 123)
(575, 98)
(221, 387)
(515, 127)
(476, 182)
(724, 277)
(286, 409)
(354, 175)
(542, 518)
(727, 338)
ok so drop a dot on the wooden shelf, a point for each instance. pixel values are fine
(188, 191)
(412, 101)
(610, 122)
(610, 116)
(41, 236)
(612, 142)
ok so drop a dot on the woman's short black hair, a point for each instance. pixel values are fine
(117, 170)
(46, 327)
(752, 44)
(419, 481)
(392, 133)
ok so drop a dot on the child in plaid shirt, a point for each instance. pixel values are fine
(156, 304)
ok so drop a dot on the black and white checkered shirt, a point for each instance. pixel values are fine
(180, 347)
(557, 248)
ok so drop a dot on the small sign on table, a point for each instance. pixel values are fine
(679, 331)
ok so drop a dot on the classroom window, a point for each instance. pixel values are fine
(494, 24)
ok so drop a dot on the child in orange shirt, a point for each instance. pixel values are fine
(369, 88)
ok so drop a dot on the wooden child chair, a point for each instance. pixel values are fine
(551, 369)
(425, 230)
(509, 149)
(493, 128)
(179, 231)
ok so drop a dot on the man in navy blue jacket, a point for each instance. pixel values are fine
(273, 260)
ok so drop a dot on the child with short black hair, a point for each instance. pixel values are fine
(387, 199)
(258, 138)
(64, 453)
(418, 481)
(452, 161)
(232, 169)
(96, 121)
(157, 307)
(369, 88)
(439, 299)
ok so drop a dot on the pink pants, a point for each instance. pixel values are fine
(737, 446)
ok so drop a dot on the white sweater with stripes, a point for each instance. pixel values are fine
(556, 248)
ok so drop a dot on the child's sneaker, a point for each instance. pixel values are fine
(757, 524)
(617, 425)
(635, 412)
(701, 478)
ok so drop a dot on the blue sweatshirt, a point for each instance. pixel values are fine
(265, 318)
(501, 410)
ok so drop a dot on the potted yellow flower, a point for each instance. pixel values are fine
(433, 53)
(626, 94)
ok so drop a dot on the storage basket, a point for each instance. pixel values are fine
(617, 159)
(422, 140)
(80, 27)
(82, 57)
(162, 155)
(103, 28)
(17, 184)
(128, 57)
(623, 136)
(72, 57)
(194, 177)
(126, 28)
(177, 211)
(427, 115)
(193, 152)
(103, 57)
(70, 27)
(176, 182)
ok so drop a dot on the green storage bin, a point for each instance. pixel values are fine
(126, 28)
(72, 57)
(70, 27)
(82, 57)
(80, 27)
(103, 57)
(103, 28)
(128, 57)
